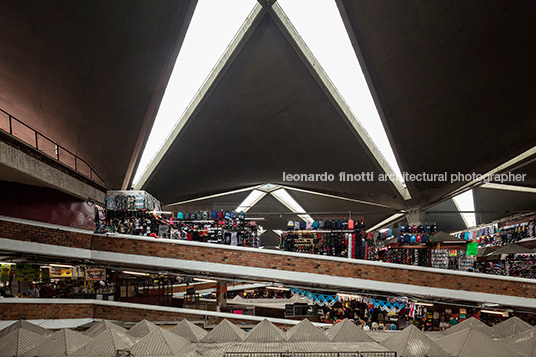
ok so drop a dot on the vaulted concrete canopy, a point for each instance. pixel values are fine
(90, 74)
(494, 204)
(453, 81)
(265, 114)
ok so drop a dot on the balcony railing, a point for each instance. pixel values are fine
(32, 137)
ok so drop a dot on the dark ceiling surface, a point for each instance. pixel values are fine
(455, 81)
(497, 204)
(88, 74)
(266, 116)
(445, 215)
(224, 202)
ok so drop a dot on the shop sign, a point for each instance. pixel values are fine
(453, 253)
(472, 249)
(95, 274)
(5, 269)
(60, 273)
(26, 272)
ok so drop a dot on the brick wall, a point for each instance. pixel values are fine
(31, 311)
(260, 259)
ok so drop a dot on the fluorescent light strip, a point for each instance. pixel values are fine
(212, 196)
(350, 296)
(253, 198)
(499, 186)
(277, 288)
(465, 202)
(134, 273)
(277, 231)
(213, 27)
(61, 266)
(332, 38)
(205, 280)
(492, 312)
(389, 220)
(424, 304)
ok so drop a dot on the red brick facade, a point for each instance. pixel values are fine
(263, 259)
(31, 311)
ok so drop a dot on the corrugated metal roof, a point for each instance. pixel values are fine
(107, 343)
(305, 331)
(160, 342)
(523, 343)
(266, 331)
(472, 343)
(311, 346)
(103, 325)
(18, 342)
(64, 342)
(412, 342)
(225, 331)
(347, 331)
(189, 331)
(510, 327)
(142, 329)
(27, 326)
(470, 323)
(381, 335)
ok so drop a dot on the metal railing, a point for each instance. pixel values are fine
(32, 137)
(312, 354)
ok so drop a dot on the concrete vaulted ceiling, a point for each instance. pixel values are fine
(90, 74)
(454, 81)
(266, 113)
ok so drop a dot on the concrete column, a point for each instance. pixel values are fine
(221, 294)
(415, 217)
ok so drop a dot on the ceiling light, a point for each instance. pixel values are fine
(61, 266)
(277, 288)
(493, 312)
(424, 304)
(465, 202)
(134, 273)
(205, 280)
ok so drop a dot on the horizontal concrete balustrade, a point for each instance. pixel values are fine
(290, 268)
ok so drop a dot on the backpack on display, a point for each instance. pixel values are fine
(426, 228)
(241, 215)
(214, 215)
(350, 224)
(333, 224)
(297, 225)
(362, 223)
(233, 214)
(180, 215)
(407, 238)
(400, 238)
(205, 214)
(227, 215)
(316, 224)
(309, 225)
(401, 229)
(420, 229)
(345, 225)
(303, 225)
(220, 214)
(433, 229)
(413, 239)
(198, 215)
(425, 238)
(414, 229)
(327, 224)
(339, 224)
(389, 232)
(290, 225)
(192, 216)
(419, 238)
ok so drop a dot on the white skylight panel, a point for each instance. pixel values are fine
(250, 201)
(213, 26)
(321, 27)
(465, 202)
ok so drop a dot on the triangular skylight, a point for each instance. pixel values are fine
(250, 201)
(214, 24)
(465, 203)
(320, 25)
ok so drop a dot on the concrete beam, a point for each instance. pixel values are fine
(30, 168)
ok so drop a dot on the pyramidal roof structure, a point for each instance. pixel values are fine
(412, 342)
(523, 343)
(225, 331)
(142, 329)
(473, 324)
(266, 331)
(510, 327)
(27, 326)
(107, 343)
(189, 331)
(160, 342)
(18, 342)
(471, 342)
(306, 331)
(103, 325)
(64, 342)
(347, 331)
